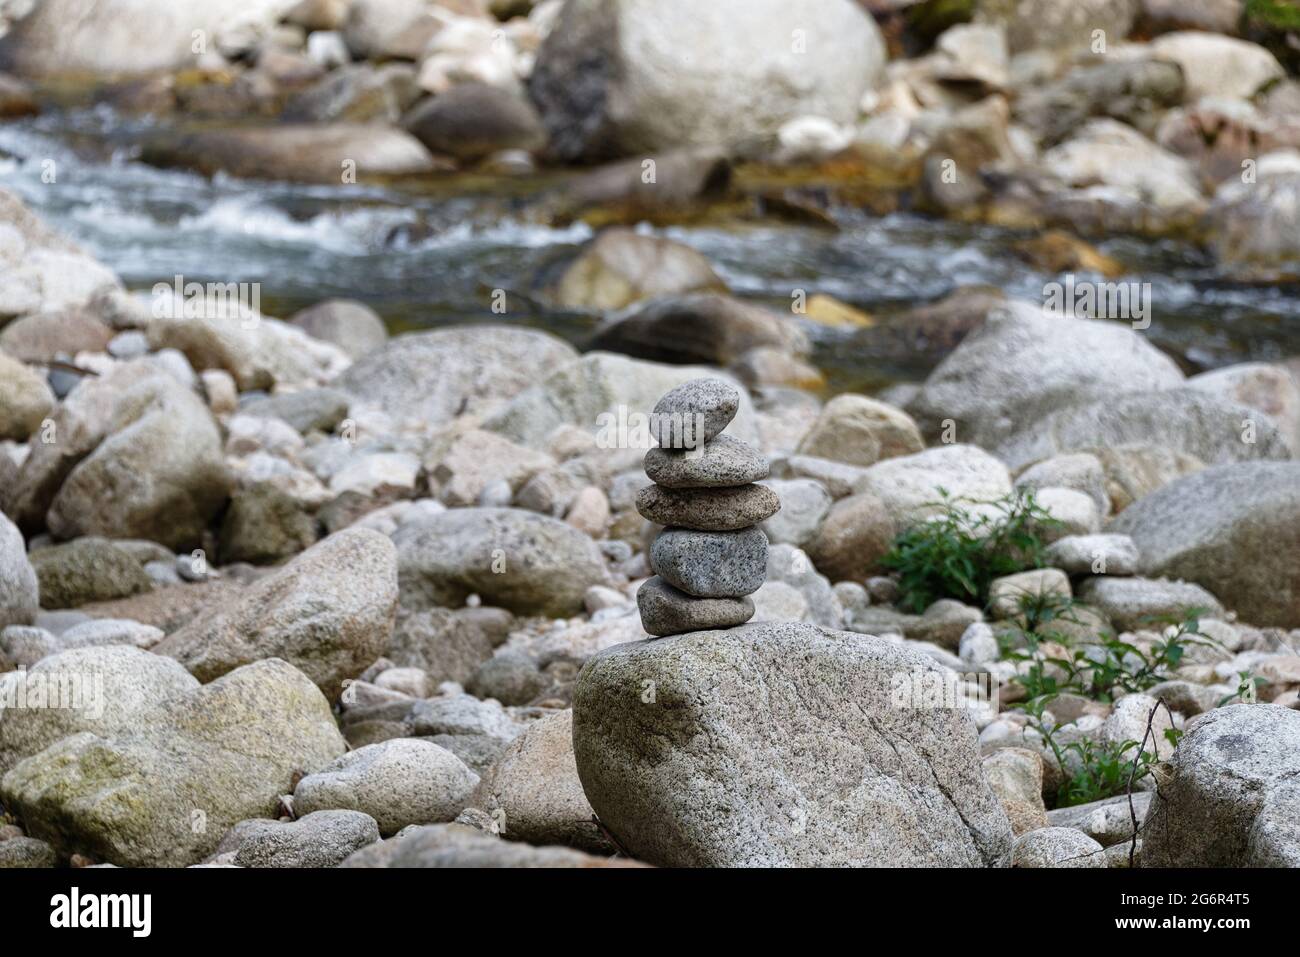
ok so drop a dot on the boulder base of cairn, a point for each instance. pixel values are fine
(781, 745)
(711, 555)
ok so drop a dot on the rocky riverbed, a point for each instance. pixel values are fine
(335, 337)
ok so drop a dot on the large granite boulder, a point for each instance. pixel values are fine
(782, 744)
(1230, 797)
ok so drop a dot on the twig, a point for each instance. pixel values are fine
(1132, 774)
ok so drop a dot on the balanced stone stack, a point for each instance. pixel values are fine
(710, 556)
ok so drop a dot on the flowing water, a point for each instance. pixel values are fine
(423, 261)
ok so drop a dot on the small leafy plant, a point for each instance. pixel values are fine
(1091, 770)
(1109, 669)
(959, 552)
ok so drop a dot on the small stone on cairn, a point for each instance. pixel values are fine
(710, 557)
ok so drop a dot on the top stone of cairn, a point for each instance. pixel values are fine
(694, 412)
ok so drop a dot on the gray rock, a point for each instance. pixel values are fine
(24, 645)
(1134, 603)
(610, 397)
(514, 559)
(1109, 821)
(111, 631)
(1080, 471)
(457, 845)
(510, 677)
(1057, 847)
(329, 612)
(159, 474)
(1024, 363)
(1234, 529)
(861, 431)
(310, 409)
(855, 535)
(909, 486)
(694, 412)
(319, 839)
(667, 611)
(20, 852)
(352, 326)
(711, 564)
(1006, 594)
(19, 586)
(708, 509)
(792, 729)
(777, 601)
(163, 791)
(1016, 777)
(1275, 836)
(265, 524)
(804, 504)
(397, 782)
(25, 399)
(704, 327)
(447, 644)
(100, 690)
(436, 376)
(533, 791)
(88, 569)
(1188, 421)
(723, 462)
(473, 120)
(1230, 784)
(785, 563)
(1093, 555)
(636, 63)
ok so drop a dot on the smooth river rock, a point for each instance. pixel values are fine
(711, 564)
(666, 610)
(708, 509)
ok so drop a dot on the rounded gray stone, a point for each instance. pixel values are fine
(723, 462)
(674, 422)
(711, 564)
(666, 610)
(708, 509)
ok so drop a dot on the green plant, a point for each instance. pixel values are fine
(959, 552)
(1247, 689)
(1090, 770)
(1109, 669)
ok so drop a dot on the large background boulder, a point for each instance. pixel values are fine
(621, 77)
(436, 376)
(1234, 529)
(126, 36)
(780, 745)
(1025, 363)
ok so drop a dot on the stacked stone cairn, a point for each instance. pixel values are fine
(710, 555)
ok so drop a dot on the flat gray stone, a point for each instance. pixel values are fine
(694, 412)
(708, 509)
(722, 463)
(711, 564)
(666, 610)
